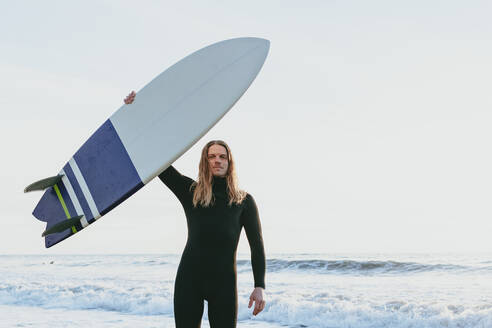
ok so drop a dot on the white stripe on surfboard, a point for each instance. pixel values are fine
(85, 188)
(74, 199)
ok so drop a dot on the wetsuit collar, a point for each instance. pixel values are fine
(219, 183)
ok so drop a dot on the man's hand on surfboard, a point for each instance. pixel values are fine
(130, 98)
(258, 297)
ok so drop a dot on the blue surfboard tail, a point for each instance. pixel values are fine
(57, 211)
(48, 207)
(99, 177)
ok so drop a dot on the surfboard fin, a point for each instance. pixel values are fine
(43, 184)
(63, 225)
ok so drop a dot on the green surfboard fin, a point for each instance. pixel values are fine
(63, 225)
(43, 184)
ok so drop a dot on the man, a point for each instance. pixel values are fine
(216, 210)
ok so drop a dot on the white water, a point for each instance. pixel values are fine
(311, 290)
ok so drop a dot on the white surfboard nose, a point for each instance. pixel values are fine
(181, 104)
(258, 42)
(246, 43)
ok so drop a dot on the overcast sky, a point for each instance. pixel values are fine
(368, 128)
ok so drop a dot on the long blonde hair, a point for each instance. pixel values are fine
(202, 189)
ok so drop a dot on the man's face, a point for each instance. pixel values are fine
(217, 160)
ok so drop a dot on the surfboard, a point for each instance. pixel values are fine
(139, 141)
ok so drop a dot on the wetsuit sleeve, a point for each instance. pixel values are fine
(178, 183)
(252, 226)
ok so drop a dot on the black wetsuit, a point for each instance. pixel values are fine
(207, 270)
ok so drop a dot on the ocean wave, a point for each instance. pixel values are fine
(335, 311)
(358, 267)
(142, 300)
(288, 308)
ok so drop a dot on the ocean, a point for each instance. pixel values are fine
(303, 290)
